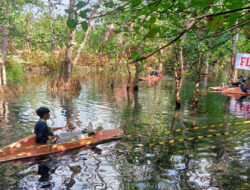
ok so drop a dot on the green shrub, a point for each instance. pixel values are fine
(14, 72)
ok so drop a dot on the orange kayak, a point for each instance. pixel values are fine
(152, 78)
(27, 147)
(235, 90)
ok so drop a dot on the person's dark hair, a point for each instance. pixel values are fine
(42, 111)
(244, 80)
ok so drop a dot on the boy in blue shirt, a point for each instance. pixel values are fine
(243, 86)
(42, 131)
(45, 133)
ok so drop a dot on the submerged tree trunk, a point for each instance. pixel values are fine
(129, 75)
(196, 93)
(4, 44)
(52, 36)
(178, 71)
(4, 111)
(233, 58)
(137, 76)
(178, 86)
(197, 85)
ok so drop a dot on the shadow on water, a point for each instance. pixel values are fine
(166, 148)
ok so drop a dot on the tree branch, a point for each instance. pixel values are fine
(110, 12)
(188, 28)
(174, 40)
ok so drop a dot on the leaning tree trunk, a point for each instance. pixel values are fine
(4, 44)
(52, 36)
(79, 50)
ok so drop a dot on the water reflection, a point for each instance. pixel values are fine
(240, 107)
(73, 171)
(4, 112)
(211, 162)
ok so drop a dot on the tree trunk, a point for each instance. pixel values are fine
(129, 75)
(181, 59)
(66, 66)
(4, 44)
(137, 75)
(85, 36)
(196, 93)
(208, 54)
(178, 86)
(207, 65)
(234, 42)
(52, 36)
(4, 111)
(197, 84)
(178, 79)
(79, 50)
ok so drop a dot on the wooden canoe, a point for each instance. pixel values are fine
(27, 147)
(235, 90)
(151, 78)
(217, 88)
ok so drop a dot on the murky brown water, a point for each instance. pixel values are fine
(143, 161)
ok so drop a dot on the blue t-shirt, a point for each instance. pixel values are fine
(154, 73)
(42, 132)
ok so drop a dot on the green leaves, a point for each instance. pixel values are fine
(233, 18)
(152, 33)
(135, 55)
(199, 3)
(85, 26)
(96, 6)
(83, 13)
(234, 4)
(136, 2)
(80, 4)
(152, 20)
(69, 11)
(109, 4)
(214, 23)
(72, 23)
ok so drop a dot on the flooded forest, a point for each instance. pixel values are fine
(158, 82)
